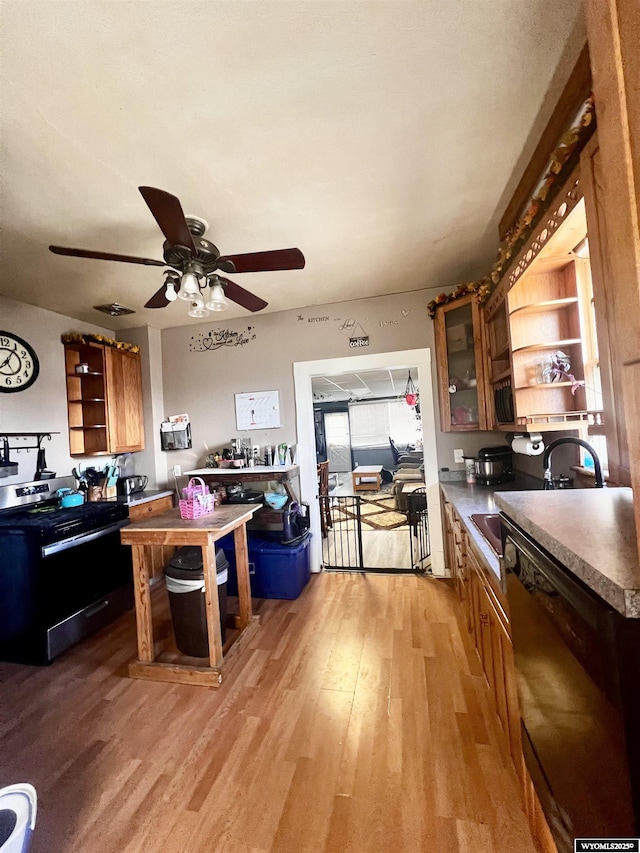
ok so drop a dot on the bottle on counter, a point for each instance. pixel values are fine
(470, 469)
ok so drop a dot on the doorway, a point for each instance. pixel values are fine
(303, 374)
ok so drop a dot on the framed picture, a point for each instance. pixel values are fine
(257, 410)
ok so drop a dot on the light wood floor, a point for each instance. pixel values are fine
(356, 722)
(381, 549)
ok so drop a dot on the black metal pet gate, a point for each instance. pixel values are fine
(351, 542)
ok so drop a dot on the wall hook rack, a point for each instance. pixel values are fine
(39, 437)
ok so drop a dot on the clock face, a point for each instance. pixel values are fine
(19, 364)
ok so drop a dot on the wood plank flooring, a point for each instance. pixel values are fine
(356, 722)
(381, 549)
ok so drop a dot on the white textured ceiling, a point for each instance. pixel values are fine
(381, 138)
(367, 385)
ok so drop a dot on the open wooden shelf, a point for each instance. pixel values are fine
(500, 377)
(501, 355)
(89, 426)
(104, 405)
(568, 342)
(543, 385)
(547, 305)
(555, 420)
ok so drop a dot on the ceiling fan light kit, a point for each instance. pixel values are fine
(197, 309)
(193, 261)
(217, 300)
(189, 284)
(170, 281)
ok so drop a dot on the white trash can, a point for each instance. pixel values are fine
(18, 806)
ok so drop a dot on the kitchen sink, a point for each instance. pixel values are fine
(488, 524)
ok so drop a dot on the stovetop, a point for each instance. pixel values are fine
(33, 508)
(45, 515)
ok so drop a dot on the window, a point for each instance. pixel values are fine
(372, 424)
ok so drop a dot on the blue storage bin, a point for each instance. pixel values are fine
(275, 570)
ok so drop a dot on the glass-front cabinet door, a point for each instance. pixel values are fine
(461, 385)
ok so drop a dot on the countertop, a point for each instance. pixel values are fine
(270, 472)
(190, 531)
(145, 497)
(590, 531)
(471, 499)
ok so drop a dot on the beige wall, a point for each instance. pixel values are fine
(180, 375)
(43, 406)
(259, 353)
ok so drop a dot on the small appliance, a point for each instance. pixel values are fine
(295, 523)
(132, 485)
(494, 465)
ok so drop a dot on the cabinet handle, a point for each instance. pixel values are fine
(484, 619)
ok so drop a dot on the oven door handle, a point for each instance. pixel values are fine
(82, 538)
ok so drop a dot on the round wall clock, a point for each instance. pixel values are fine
(19, 366)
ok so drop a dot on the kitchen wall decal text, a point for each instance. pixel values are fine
(218, 338)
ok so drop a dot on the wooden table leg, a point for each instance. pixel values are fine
(212, 604)
(144, 622)
(242, 572)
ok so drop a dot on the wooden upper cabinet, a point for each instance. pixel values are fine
(104, 402)
(459, 354)
(609, 342)
(542, 359)
(498, 371)
(124, 393)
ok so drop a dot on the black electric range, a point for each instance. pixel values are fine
(63, 571)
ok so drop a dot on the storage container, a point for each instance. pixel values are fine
(275, 570)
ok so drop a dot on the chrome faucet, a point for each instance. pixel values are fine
(546, 460)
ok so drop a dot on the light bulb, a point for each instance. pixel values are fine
(188, 286)
(197, 310)
(170, 291)
(217, 300)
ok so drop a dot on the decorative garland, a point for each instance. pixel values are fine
(570, 142)
(82, 338)
(482, 287)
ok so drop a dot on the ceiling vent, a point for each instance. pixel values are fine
(114, 310)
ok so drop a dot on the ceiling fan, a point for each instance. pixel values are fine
(194, 261)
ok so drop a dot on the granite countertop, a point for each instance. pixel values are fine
(590, 531)
(471, 499)
(145, 497)
(227, 473)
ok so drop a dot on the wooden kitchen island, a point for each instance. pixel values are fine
(171, 529)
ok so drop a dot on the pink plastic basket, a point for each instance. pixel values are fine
(197, 500)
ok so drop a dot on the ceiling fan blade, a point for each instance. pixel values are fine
(167, 212)
(104, 256)
(238, 294)
(158, 300)
(277, 259)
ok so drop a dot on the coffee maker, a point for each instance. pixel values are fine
(494, 465)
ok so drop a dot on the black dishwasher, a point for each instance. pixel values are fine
(578, 675)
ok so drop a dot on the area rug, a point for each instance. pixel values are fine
(377, 512)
